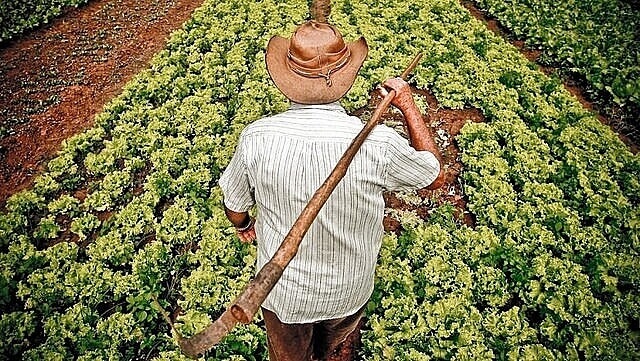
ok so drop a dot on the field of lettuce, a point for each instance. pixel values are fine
(129, 211)
(16, 17)
(595, 39)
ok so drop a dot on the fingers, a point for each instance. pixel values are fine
(247, 236)
(397, 84)
(400, 87)
(403, 99)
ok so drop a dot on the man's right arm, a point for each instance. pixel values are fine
(237, 192)
(420, 135)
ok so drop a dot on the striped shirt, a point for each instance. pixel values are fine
(279, 163)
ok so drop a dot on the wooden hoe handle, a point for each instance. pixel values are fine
(246, 305)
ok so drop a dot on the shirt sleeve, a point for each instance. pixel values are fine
(237, 191)
(409, 169)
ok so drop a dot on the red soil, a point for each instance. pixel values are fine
(55, 79)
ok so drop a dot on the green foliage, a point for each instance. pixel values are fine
(42, 289)
(18, 16)
(596, 39)
(65, 204)
(549, 272)
(47, 229)
(110, 191)
(16, 329)
(85, 225)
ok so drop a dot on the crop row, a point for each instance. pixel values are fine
(596, 39)
(129, 212)
(19, 16)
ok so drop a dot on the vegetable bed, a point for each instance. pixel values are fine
(17, 17)
(595, 39)
(129, 211)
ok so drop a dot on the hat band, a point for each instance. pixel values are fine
(324, 72)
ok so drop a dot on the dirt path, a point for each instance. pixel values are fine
(57, 77)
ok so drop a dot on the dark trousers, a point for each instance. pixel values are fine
(306, 341)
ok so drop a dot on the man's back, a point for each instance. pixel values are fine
(286, 158)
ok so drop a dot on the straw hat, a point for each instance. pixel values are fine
(314, 66)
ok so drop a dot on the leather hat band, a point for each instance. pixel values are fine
(301, 67)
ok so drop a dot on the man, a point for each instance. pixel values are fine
(279, 163)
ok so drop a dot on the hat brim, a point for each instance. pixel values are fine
(306, 90)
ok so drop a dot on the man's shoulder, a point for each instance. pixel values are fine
(261, 125)
(300, 121)
(326, 125)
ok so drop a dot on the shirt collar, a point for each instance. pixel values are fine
(335, 106)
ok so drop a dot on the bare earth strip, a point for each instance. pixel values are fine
(55, 79)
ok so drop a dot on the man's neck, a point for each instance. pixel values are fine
(335, 106)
